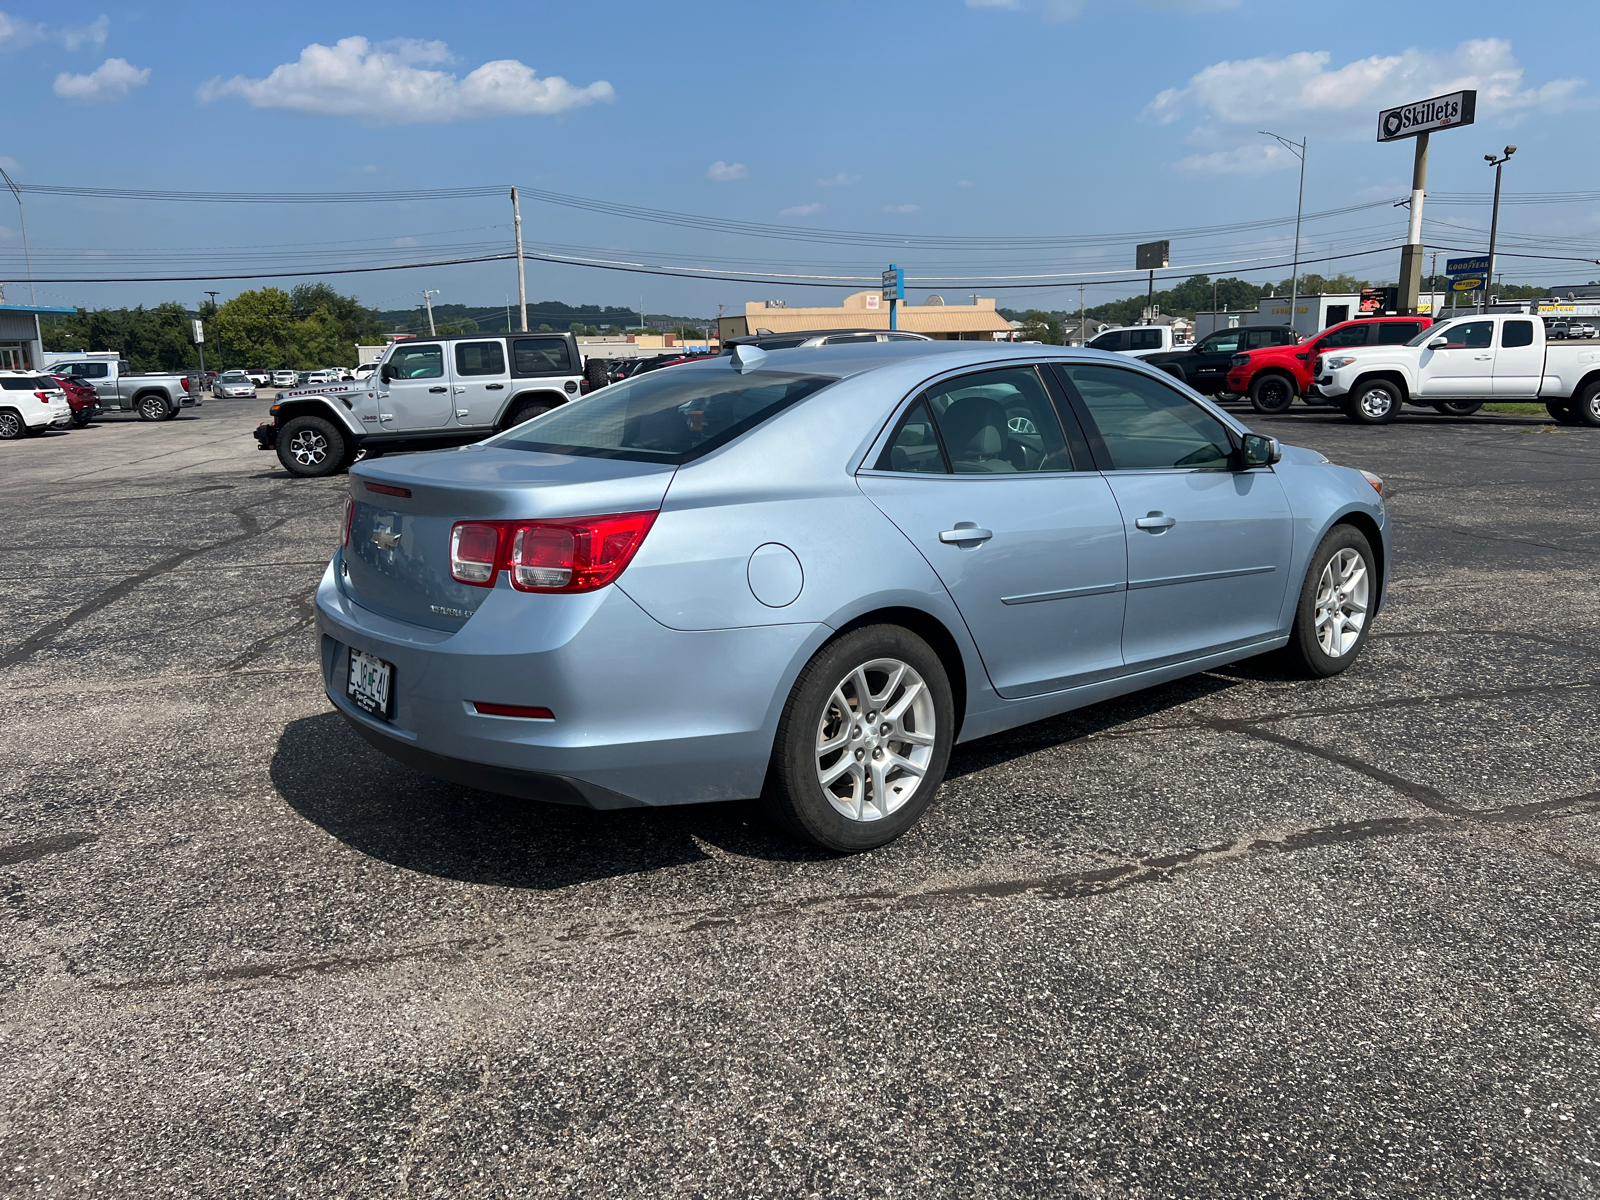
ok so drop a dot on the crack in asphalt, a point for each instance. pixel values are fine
(43, 636)
(308, 613)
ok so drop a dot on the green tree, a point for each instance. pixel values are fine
(1039, 326)
(254, 329)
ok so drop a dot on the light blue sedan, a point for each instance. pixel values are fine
(806, 574)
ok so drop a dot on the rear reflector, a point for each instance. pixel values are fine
(572, 554)
(384, 489)
(349, 516)
(512, 710)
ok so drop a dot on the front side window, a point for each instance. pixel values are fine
(1350, 335)
(999, 423)
(480, 358)
(541, 356)
(1109, 341)
(417, 362)
(1464, 335)
(1516, 333)
(1221, 343)
(1147, 425)
(1144, 339)
(663, 416)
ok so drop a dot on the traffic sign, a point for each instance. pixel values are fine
(198, 331)
(1428, 116)
(1478, 265)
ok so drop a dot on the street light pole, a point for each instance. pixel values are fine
(33, 297)
(1298, 149)
(1494, 219)
(427, 299)
(522, 278)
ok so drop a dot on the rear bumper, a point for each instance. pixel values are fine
(644, 715)
(266, 435)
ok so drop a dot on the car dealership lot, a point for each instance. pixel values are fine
(1240, 934)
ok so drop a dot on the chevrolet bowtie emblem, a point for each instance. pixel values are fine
(385, 538)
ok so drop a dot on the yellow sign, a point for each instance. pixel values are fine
(1467, 284)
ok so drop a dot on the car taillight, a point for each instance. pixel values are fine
(349, 516)
(44, 397)
(475, 552)
(573, 554)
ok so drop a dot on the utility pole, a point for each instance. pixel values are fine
(522, 278)
(1494, 219)
(1083, 319)
(427, 299)
(33, 297)
(1298, 149)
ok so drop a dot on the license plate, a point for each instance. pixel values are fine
(371, 684)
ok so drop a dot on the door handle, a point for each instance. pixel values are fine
(1156, 522)
(438, 389)
(1482, 357)
(965, 531)
(493, 387)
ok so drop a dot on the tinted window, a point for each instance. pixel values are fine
(663, 416)
(1109, 341)
(848, 338)
(915, 446)
(1516, 333)
(1397, 333)
(1221, 343)
(1144, 339)
(541, 356)
(999, 423)
(418, 362)
(1350, 335)
(1468, 335)
(779, 343)
(27, 383)
(90, 370)
(480, 358)
(1147, 425)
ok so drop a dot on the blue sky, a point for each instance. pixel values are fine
(981, 118)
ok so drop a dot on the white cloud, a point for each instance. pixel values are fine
(1346, 98)
(1250, 159)
(405, 241)
(8, 163)
(111, 80)
(902, 208)
(839, 180)
(19, 32)
(801, 210)
(725, 172)
(963, 183)
(386, 83)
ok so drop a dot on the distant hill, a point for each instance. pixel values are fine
(551, 313)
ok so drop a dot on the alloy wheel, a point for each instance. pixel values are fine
(309, 448)
(875, 739)
(1376, 402)
(152, 408)
(1341, 605)
(10, 426)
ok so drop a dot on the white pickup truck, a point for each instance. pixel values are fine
(1137, 341)
(1456, 366)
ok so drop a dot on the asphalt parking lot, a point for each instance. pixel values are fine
(1240, 935)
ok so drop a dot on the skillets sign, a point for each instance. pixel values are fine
(1427, 116)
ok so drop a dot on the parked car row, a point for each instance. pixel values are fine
(30, 403)
(1568, 330)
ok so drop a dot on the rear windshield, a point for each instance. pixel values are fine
(665, 416)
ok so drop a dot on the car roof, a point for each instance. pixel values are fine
(847, 360)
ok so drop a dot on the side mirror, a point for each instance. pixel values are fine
(386, 373)
(1260, 451)
(1438, 343)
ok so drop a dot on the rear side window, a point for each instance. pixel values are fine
(418, 362)
(1516, 333)
(1144, 339)
(915, 447)
(541, 356)
(480, 358)
(22, 383)
(1350, 335)
(664, 416)
(1398, 333)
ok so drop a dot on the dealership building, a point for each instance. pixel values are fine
(21, 346)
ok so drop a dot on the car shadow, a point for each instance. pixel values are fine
(390, 812)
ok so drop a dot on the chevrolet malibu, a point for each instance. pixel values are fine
(804, 575)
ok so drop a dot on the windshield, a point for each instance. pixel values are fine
(665, 416)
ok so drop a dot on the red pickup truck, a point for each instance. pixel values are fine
(1274, 376)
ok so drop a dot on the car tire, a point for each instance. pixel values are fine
(153, 407)
(526, 410)
(824, 731)
(1271, 393)
(1373, 402)
(81, 420)
(1587, 406)
(1458, 408)
(1563, 412)
(1340, 590)
(595, 371)
(311, 447)
(12, 426)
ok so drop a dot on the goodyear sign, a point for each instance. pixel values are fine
(1426, 116)
(1467, 266)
